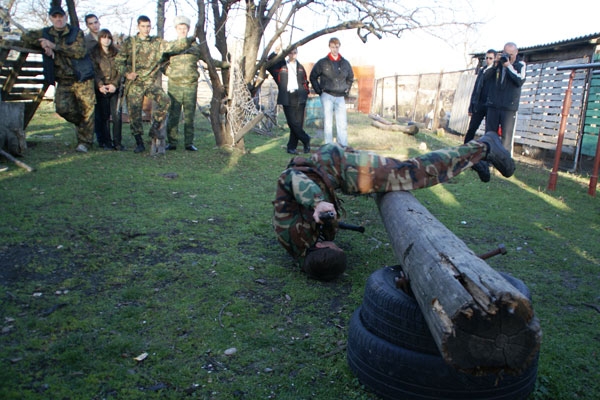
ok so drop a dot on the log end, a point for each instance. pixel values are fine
(507, 342)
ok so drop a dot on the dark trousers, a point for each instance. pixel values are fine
(474, 123)
(294, 115)
(106, 108)
(506, 119)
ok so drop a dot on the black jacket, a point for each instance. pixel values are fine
(479, 96)
(505, 93)
(332, 77)
(279, 72)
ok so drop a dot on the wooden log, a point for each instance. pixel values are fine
(380, 119)
(479, 321)
(408, 129)
(17, 162)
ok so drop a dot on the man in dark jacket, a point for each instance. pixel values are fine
(292, 83)
(478, 110)
(479, 97)
(332, 79)
(505, 78)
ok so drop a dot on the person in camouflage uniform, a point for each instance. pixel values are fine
(68, 66)
(183, 88)
(308, 188)
(139, 60)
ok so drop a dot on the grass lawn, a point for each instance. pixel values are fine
(108, 256)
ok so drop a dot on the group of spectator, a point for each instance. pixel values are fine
(331, 78)
(495, 97)
(93, 76)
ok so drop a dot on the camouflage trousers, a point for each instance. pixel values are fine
(135, 101)
(182, 97)
(74, 101)
(362, 172)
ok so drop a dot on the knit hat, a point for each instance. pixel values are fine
(181, 20)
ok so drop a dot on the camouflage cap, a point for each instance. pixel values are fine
(181, 20)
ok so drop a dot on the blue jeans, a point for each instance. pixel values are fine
(337, 105)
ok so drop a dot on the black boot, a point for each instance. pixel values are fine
(139, 144)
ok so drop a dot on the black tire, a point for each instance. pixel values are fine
(394, 372)
(395, 316)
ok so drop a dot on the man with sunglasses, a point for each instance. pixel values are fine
(478, 110)
(307, 188)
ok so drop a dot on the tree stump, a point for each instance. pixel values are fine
(11, 128)
(480, 322)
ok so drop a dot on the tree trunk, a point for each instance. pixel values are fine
(480, 323)
(160, 18)
(219, 122)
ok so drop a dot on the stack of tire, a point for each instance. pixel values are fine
(392, 352)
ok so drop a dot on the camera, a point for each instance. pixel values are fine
(504, 58)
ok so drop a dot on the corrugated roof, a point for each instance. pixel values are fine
(584, 38)
(573, 41)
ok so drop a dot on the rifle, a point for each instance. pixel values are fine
(124, 83)
(329, 220)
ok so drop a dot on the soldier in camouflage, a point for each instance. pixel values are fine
(139, 60)
(308, 188)
(182, 71)
(67, 65)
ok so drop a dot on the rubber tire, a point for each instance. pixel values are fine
(394, 372)
(396, 317)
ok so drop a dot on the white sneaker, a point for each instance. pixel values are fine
(82, 148)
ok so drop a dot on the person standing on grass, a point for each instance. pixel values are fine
(93, 25)
(292, 85)
(139, 61)
(91, 40)
(478, 109)
(183, 75)
(107, 90)
(308, 188)
(68, 66)
(332, 79)
(506, 78)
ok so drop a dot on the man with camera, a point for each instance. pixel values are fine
(505, 80)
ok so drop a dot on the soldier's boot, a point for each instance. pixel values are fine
(497, 154)
(139, 144)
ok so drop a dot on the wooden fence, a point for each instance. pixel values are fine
(421, 97)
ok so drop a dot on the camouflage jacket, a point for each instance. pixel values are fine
(64, 53)
(306, 182)
(182, 68)
(104, 65)
(148, 53)
(299, 188)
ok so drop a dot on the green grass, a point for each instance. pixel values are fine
(105, 256)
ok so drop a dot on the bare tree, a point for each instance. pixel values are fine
(373, 18)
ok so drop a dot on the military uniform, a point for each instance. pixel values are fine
(148, 53)
(307, 182)
(74, 97)
(182, 72)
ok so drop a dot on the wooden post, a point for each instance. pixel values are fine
(594, 177)
(480, 323)
(561, 132)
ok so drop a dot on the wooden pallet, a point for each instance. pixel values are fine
(21, 78)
